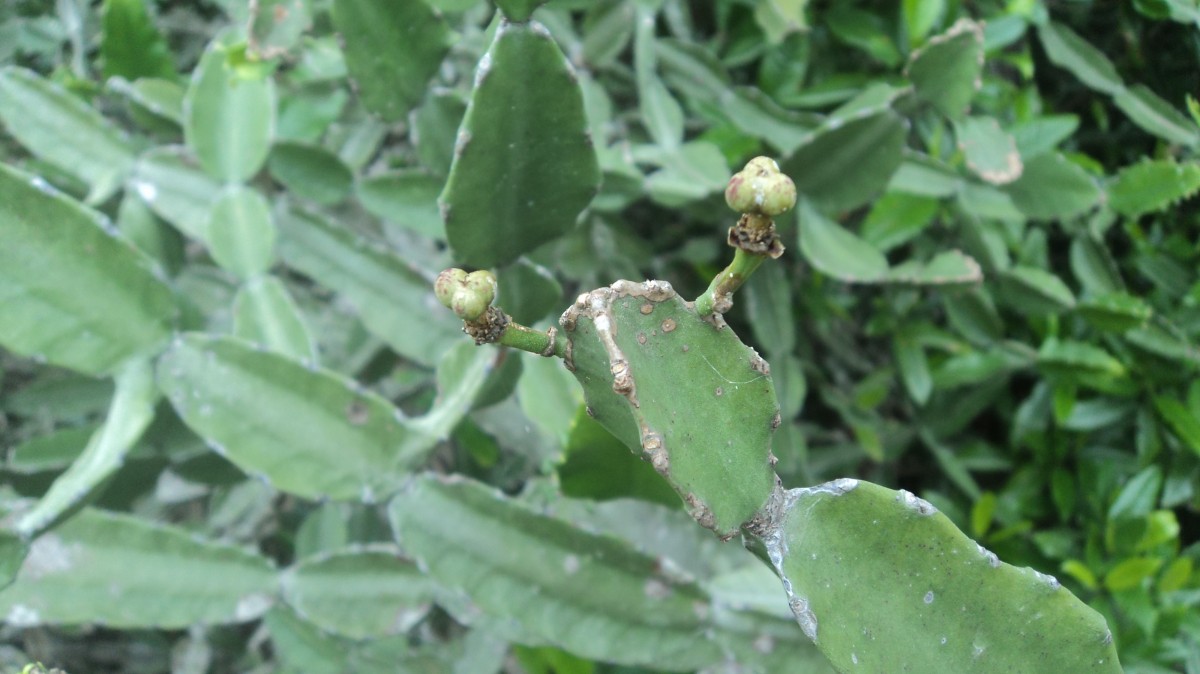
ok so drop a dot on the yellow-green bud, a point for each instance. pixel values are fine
(467, 295)
(760, 189)
(446, 283)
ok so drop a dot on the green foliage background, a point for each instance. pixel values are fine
(989, 299)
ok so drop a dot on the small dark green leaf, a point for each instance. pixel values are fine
(897, 218)
(913, 366)
(1043, 134)
(407, 198)
(278, 25)
(50, 452)
(1068, 357)
(12, 554)
(1181, 419)
(131, 46)
(1157, 116)
(843, 167)
(768, 297)
(1067, 50)
(435, 125)
(690, 172)
(949, 268)
(1138, 496)
(864, 30)
(525, 166)
(597, 466)
(835, 251)
(974, 315)
(391, 49)
(549, 397)
(945, 72)
(1051, 187)
(1094, 267)
(1035, 291)
(1164, 343)
(528, 292)
(310, 172)
(1153, 186)
(1115, 312)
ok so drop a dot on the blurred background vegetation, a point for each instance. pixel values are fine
(990, 299)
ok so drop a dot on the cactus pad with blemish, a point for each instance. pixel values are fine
(690, 397)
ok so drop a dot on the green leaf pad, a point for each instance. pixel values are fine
(72, 290)
(229, 115)
(945, 72)
(681, 391)
(42, 115)
(124, 572)
(553, 582)
(524, 167)
(1153, 186)
(391, 49)
(882, 582)
(314, 433)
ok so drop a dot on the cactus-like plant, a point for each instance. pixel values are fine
(224, 373)
(878, 579)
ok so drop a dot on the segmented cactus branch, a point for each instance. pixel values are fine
(759, 192)
(470, 297)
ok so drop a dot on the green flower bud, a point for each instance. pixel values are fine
(760, 189)
(467, 295)
(445, 285)
(475, 296)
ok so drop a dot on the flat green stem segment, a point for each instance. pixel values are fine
(534, 341)
(391, 50)
(550, 581)
(684, 394)
(524, 165)
(103, 303)
(883, 582)
(123, 572)
(131, 412)
(353, 444)
(728, 281)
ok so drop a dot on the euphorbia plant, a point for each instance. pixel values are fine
(877, 578)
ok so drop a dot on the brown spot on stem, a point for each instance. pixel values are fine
(646, 308)
(758, 364)
(668, 325)
(700, 512)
